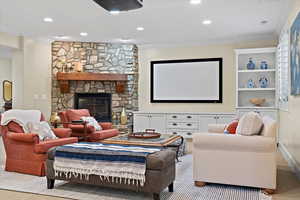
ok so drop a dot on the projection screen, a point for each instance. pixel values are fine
(187, 81)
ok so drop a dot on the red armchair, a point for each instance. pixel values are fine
(25, 153)
(78, 130)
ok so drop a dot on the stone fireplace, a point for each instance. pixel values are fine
(99, 105)
(96, 58)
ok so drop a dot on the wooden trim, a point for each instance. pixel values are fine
(87, 76)
(140, 143)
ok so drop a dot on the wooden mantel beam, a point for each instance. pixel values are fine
(65, 77)
(87, 76)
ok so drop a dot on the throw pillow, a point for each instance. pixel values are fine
(42, 129)
(231, 127)
(250, 124)
(91, 121)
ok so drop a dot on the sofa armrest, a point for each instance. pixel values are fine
(23, 137)
(216, 128)
(62, 132)
(106, 125)
(238, 143)
(44, 146)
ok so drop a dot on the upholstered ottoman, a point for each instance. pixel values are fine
(160, 173)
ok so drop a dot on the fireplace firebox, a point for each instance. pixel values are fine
(99, 105)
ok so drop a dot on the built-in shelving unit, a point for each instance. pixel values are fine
(244, 93)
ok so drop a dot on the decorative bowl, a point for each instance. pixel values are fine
(257, 101)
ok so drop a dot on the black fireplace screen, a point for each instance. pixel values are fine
(99, 105)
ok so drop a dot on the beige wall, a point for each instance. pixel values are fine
(9, 40)
(289, 121)
(37, 76)
(226, 51)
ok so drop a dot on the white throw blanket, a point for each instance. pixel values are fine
(22, 117)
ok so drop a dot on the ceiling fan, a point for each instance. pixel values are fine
(120, 5)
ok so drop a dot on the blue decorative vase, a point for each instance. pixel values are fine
(263, 82)
(263, 65)
(251, 64)
(250, 83)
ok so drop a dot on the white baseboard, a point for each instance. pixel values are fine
(291, 161)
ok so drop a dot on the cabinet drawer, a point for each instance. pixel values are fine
(177, 117)
(185, 134)
(183, 125)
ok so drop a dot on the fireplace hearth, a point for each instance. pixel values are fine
(99, 105)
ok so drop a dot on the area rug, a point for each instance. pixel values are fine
(183, 188)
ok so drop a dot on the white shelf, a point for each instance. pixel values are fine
(256, 89)
(256, 107)
(257, 70)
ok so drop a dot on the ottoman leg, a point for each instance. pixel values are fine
(171, 187)
(50, 183)
(156, 196)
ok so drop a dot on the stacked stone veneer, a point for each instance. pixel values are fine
(96, 58)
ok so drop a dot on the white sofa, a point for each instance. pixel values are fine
(234, 159)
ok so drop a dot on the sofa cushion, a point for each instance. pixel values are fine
(155, 161)
(75, 115)
(250, 124)
(42, 129)
(91, 121)
(231, 127)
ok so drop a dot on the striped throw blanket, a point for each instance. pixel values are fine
(116, 163)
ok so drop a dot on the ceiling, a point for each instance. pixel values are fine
(165, 21)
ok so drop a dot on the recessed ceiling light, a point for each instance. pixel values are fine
(125, 40)
(114, 12)
(207, 22)
(48, 19)
(264, 22)
(140, 28)
(84, 34)
(62, 37)
(195, 2)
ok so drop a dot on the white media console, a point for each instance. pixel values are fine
(184, 124)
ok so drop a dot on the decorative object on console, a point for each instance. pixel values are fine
(295, 56)
(263, 82)
(123, 117)
(257, 101)
(250, 84)
(251, 64)
(263, 65)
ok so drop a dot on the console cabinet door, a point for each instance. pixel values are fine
(141, 122)
(158, 122)
(204, 121)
